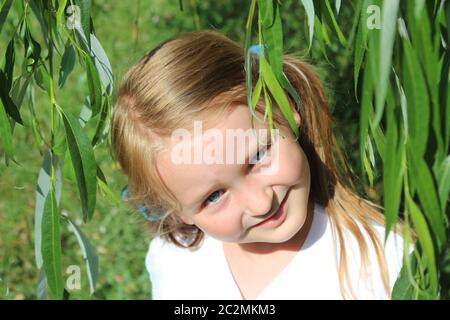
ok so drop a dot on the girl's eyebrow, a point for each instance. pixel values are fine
(202, 195)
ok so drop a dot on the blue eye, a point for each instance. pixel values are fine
(213, 198)
(261, 154)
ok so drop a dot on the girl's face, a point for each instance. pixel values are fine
(229, 200)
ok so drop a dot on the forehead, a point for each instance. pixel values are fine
(185, 179)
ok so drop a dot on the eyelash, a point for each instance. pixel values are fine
(266, 149)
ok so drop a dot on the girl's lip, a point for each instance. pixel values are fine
(280, 208)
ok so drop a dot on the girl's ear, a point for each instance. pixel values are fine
(297, 117)
(296, 114)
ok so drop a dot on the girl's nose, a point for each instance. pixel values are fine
(258, 201)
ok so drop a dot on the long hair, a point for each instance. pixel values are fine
(201, 75)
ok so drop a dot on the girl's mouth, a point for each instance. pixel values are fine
(278, 217)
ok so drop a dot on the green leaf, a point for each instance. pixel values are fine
(290, 89)
(85, 15)
(393, 167)
(256, 94)
(268, 103)
(37, 135)
(443, 177)
(366, 102)
(42, 78)
(386, 45)
(102, 130)
(42, 190)
(60, 144)
(6, 134)
(4, 12)
(418, 7)
(278, 94)
(89, 254)
(338, 6)
(60, 12)
(417, 100)
(403, 289)
(102, 64)
(19, 89)
(67, 64)
(51, 246)
(360, 44)
(10, 58)
(428, 197)
(322, 30)
(272, 34)
(100, 60)
(108, 192)
(322, 37)
(424, 237)
(248, 67)
(83, 161)
(32, 49)
(42, 286)
(338, 30)
(95, 90)
(444, 99)
(309, 8)
(39, 11)
(68, 170)
(85, 113)
(403, 102)
(9, 105)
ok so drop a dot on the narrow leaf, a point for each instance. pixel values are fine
(10, 58)
(393, 166)
(273, 35)
(428, 197)
(42, 286)
(388, 30)
(67, 64)
(89, 254)
(309, 8)
(108, 192)
(5, 133)
(423, 234)
(4, 12)
(42, 190)
(338, 6)
(443, 177)
(85, 15)
(278, 94)
(102, 64)
(95, 90)
(84, 163)
(338, 30)
(51, 246)
(102, 129)
(9, 105)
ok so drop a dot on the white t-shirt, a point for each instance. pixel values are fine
(184, 274)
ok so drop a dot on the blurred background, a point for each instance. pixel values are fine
(127, 30)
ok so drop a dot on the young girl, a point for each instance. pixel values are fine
(283, 224)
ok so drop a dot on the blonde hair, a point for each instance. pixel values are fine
(201, 75)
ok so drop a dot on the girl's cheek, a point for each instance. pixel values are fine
(226, 228)
(292, 164)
